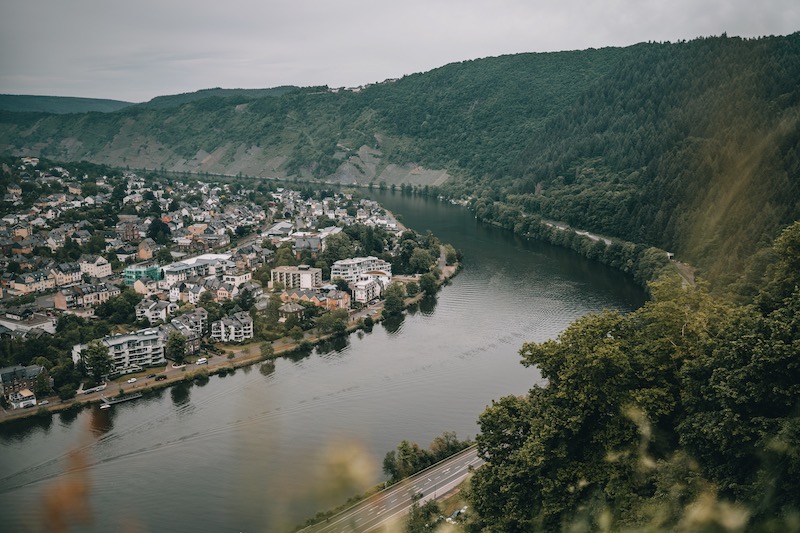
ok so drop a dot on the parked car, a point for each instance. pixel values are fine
(151, 376)
(161, 378)
(132, 380)
(201, 361)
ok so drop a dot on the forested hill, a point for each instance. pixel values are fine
(690, 146)
(58, 104)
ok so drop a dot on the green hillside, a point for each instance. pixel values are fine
(163, 102)
(58, 104)
(692, 146)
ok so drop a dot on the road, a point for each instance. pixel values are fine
(393, 503)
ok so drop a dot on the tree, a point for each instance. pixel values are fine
(333, 322)
(427, 282)
(42, 386)
(422, 518)
(296, 333)
(412, 288)
(341, 284)
(159, 231)
(175, 348)
(393, 299)
(163, 256)
(337, 246)
(97, 360)
(246, 299)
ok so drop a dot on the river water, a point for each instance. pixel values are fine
(265, 448)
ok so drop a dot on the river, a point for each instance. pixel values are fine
(263, 449)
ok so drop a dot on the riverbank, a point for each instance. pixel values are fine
(233, 357)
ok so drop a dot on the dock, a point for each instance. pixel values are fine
(123, 398)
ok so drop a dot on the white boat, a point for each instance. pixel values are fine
(105, 406)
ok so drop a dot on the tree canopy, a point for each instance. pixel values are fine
(690, 400)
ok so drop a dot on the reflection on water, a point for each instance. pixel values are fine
(19, 430)
(333, 345)
(301, 352)
(180, 394)
(69, 416)
(427, 305)
(101, 421)
(267, 368)
(393, 324)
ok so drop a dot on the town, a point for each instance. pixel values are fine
(109, 273)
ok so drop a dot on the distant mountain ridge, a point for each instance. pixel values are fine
(691, 147)
(164, 102)
(21, 103)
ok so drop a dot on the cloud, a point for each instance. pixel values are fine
(106, 49)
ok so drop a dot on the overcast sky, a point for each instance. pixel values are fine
(135, 51)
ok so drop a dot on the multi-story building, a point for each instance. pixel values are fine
(351, 269)
(84, 295)
(302, 277)
(203, 265)
(237, 327)
(366, 290)
(36, 281)
(66, 274)
(140, 270)
(237, 278)
(95, 265)
(18, 378)
(155, 310)
(130, 352)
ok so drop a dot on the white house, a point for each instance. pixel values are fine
(235, 328)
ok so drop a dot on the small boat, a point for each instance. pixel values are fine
(105, 406)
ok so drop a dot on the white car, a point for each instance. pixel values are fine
(132, 380)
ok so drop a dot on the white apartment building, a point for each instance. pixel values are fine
(235, 328)
(237, 278)
(366, 290)
(96, 266)
(202, 265)
(130, 352)
(351, 269)
(297, 277)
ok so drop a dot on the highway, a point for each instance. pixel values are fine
(390, 504)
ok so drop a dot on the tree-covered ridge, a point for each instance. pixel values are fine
(691, 147)
(58, 104)
(683, 414)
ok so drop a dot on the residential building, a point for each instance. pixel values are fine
(66, 274)
(37, 281)
(237, 278)
(21, 399)
(237, 327)
(291, 309)
(26, 321)
(366, 290)
(155, 310)
(303, 276)
(96, 266)
(84, 295)
(146, 249)
(17, 378)
(130, 352)
(350, 269)
(139, 270)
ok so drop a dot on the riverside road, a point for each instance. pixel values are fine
(393, 503)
